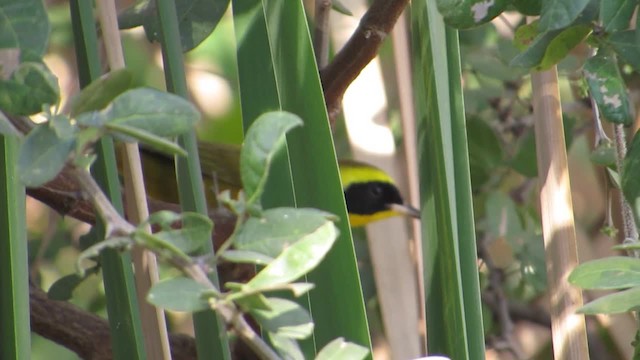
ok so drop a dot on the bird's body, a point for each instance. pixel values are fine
(370, 193)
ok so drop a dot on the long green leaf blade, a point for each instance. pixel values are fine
(336, 303)
(454, 320)
(15, 333)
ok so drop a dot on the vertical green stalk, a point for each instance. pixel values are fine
(337, 306)
(454, 321)
(211, 336)
(122, 306)
(464, 202)
(15, 332)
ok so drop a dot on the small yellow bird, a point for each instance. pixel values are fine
(370, 194)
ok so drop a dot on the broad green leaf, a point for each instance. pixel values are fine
(604, 154)
(255, 301)
(246, 257)
(297, 259)
(62, 289)
(502, 216)
(558, 14)
(287, 348)
(615, 15)
(284, 318)
(530, 254)
(261, 143)
(98, 94)
(608, 88)
(30, 87)
(24, 25)
(528, 7)
(547, 48)
(626, 45)
(43, 155)
(197, 19)
(524, 161)
(485, 152)
(623, 301)
(279, 228)
(192, 236)
(613, 272)
(340, 349)
(153, 111)
(179, 294)
(463, 14)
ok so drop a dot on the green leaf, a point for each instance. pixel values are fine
(297, 259)
(340, 349)
(615, 15)
(192, 237)
(547, 48)
(246, 257)
(524, 161)
(284, 318)
(463, 14)
(558, 14)
(287, 348)
(261, 143)
(197, 19)
(62, 289)
(98, 94)
(338, 6)
(528, 7)
(43, 155)
(627, 47)
(153, 111)
(620, 302)
(613, 272)
(279, 228)
(127, 133)
(30, 87)
(502, 216)
(604, 154)
(24, 25)
(485, 152)
(179, 294)
(607, 88)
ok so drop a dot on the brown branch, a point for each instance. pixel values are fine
(84, 333)
(361, 48)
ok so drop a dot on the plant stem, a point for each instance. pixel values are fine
(116, 224)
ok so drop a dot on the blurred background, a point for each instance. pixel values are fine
(376, 126)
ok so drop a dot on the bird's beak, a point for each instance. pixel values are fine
(405, 209)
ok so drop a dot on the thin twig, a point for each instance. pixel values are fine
(361, 48)
(321, 32)
(116, 225)
(629, 226)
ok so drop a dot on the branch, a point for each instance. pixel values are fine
(84, 333)
(361, 48)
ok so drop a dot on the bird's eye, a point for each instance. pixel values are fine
(376, 190)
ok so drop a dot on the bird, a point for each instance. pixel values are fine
(370, 193)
